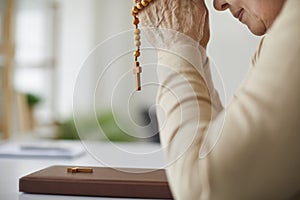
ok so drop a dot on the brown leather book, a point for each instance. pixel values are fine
(98, 181)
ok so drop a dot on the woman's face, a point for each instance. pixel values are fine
(258, 15)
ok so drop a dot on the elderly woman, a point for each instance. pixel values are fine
(249, 150)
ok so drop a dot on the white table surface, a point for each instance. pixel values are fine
(11, 169)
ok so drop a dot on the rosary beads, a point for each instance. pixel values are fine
(137, 69)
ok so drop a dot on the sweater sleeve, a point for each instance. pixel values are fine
(250, 150)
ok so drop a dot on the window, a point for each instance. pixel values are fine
(35, 52)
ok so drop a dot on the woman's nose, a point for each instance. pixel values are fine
(221, 5)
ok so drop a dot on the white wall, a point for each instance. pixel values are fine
(75, 40)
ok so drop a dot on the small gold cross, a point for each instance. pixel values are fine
(79, 170)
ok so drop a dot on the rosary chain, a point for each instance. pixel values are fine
(137, 70)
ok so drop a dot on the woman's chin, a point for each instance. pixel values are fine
(258, 31)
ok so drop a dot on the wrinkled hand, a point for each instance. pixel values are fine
(180, 17)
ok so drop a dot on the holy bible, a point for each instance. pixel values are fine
(98, 181)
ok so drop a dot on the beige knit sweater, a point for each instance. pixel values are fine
(249, 150)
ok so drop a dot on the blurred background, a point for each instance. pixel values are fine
(49, 69)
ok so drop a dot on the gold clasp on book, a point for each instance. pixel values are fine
(79, 170)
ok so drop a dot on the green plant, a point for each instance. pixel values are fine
(32, 99)
(67, 130)
(109, 127)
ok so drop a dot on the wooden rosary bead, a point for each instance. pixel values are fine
(144, 3)
(137, 37)
(134, 14)
(137, 31)
(135, 10)
(136, 21)
(137, 43)
(137, 54)
(139, 5)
